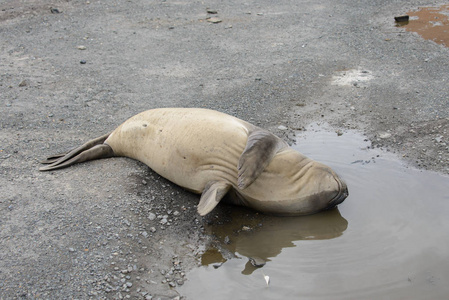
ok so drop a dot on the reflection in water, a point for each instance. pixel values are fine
(431, 23)
(394, 244)
(260, 237)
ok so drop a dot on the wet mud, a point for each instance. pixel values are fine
(388, 239)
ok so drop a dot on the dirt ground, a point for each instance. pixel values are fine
(74, 70)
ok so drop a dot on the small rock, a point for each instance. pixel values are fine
(172, 284)
(151, 216)
(227, 240)
(71, 250)
(145, 234)
(339, 132)
(54, 10)
(403, 18)
(217, 265)
(83, 62)
(282, 127)
(212, 11)
(176, 213)
(81, 47)
(23, 83)
(246, 228)
(384, 135)
(152, 229)
(129, 284)
(214, 20)
(439, 139)
(180, 282)
(257, 261)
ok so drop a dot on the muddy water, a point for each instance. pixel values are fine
(389, 239)
(431, 23)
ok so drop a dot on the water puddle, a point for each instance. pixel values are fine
(389, 239)
(430, 22)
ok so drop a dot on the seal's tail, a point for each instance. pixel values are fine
(93, 149)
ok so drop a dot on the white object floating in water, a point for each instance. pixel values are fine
(267, 279)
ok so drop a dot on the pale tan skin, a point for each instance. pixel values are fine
(213, 153)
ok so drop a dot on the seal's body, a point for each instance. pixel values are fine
(213, 153)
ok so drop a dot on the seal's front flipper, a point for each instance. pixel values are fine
(260, 149)
(93, 149)
(211, 196)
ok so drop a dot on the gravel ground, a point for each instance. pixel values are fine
(74, 70)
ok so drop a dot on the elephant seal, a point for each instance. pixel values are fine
(212, 153)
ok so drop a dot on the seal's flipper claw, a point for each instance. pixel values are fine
(260, 149)
(211, 196)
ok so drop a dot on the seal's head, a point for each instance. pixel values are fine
(294, 185)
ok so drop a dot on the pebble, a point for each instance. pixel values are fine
(71, 250)
(384, 135)
(217, 265)
(257, 261)
(129, 284)
(83, 62)
(151, 216)
(214, 20)
(212, 11)
(180, 282)
(282, 127)
(145, 234)
(81, 47)
(152, 229)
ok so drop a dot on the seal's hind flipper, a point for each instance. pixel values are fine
(53, 158)
(260, 149)
(93, 149)
(211, 196)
